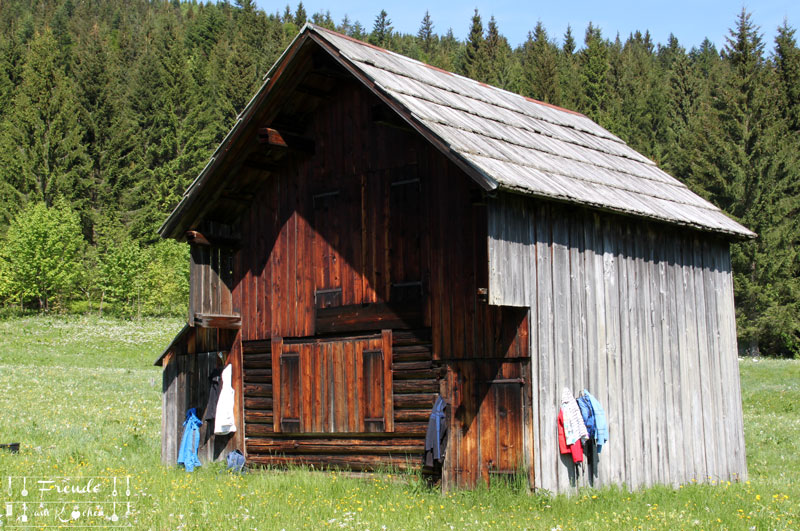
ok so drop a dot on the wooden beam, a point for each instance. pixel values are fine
(282, 139)
(372, 316)
(229, 322)
(195, 238)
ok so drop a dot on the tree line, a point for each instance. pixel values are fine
(108, 110)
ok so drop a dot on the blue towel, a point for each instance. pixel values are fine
(187, 455)
(600, 422)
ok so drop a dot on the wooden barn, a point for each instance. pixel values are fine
(375, 231)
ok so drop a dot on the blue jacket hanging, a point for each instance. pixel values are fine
(436, 436)
(587, 412)
(600, 422)
(187, 454)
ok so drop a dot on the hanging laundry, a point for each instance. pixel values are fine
(214, 380)
(187, 453)
(574, 428)
(436, 436)
(224, 422)
(600, 422)
(587, 413)
(575, 449)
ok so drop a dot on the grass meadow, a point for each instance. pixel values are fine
(82, 397)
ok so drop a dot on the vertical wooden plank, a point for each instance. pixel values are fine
(653, 385)
(562, 323)
(307, 281)
(226, 281)
(388, 403)
(361, 382)
(711, 413)
(729, 316)
(632, 433)
(277, 274)
(470, 443)
(194, 272)
(307, 386)
(534, 384)
(716, 371)
(214, 280)
(202, 400)
(328, 361)
(615, 452)
(508, 398)
(180, 401)
(657, 376)
(547, 385)
(578, 327)
(169, 391)
(692, 382)
(277, 350)
(720, 352)
(672, 359)
(597, 314)
(489, 433)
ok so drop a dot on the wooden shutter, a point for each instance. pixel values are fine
(337, 386)
(376, 394)
(287, 390)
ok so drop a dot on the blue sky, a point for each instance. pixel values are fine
(690, 21)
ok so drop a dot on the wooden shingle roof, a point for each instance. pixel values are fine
(513, 143)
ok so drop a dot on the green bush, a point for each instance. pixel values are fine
(42, 255)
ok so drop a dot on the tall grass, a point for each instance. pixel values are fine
(83, 398)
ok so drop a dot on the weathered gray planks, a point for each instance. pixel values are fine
(643, 318)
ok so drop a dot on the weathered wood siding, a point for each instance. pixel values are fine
(185, 384)
(640, 315)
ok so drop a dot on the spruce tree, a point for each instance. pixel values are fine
(300, 16)
(745, 166)
(540, 66)
(381, 30)
(425, 33)
(787, 63)
(42, 155)
(474, 61)
(594, 74)
(570, 89)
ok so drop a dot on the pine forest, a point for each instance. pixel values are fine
(109, 109)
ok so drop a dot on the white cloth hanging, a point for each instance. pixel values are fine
(224, 422)
(574, 427)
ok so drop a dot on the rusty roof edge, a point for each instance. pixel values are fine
(169, 226)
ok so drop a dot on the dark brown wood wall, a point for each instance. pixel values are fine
(376, 230)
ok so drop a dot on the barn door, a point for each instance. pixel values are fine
(489, 417)
(501, 412)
